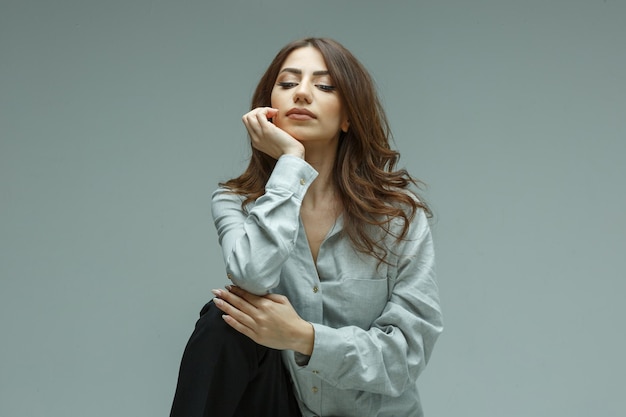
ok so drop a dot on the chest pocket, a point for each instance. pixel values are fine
(356, 301)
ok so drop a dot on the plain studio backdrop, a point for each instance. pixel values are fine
(118, 119)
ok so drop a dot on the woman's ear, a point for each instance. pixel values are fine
(345, 125)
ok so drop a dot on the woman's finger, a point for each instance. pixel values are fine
(258, 117)
(234, 300)
(257, 301)
(251, 121)
(263, 116)
(233, 312)
(245, 330)
(236, 314)
(277, 298)
(257, 122)
(252, 126)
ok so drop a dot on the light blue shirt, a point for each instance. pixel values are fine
(375, 326)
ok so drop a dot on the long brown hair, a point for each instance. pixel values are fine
(373, 192)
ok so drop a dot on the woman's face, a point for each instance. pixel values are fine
(309, 106)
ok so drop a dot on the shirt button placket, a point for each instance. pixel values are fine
(315, 396)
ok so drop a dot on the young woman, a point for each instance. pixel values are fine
(334, 307)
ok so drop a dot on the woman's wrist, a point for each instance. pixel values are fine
(305, 339)
(296, 151)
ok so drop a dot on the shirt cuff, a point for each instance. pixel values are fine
(324, 351)
(292, 174)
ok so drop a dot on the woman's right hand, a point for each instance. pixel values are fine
(269, 138)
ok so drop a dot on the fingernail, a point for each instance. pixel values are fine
(216, 292)
(229, 287)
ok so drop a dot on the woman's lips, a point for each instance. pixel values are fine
(300, 114)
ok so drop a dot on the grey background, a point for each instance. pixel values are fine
(118, 118)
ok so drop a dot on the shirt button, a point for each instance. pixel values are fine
(302, 181)
(315, 289)
(314, 389)
(229, 276)
(316, 372)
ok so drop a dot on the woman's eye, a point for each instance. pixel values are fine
(325, 87)
(286, 84)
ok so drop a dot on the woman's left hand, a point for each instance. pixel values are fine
(269, 320)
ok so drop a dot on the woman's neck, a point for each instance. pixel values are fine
(323, 189)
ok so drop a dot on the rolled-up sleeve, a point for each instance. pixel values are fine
(390, 355)
(255, 244)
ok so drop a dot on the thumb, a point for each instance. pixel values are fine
(271, 112)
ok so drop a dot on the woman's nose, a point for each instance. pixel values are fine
(302, 93)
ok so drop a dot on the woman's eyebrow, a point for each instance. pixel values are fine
(299, 71)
